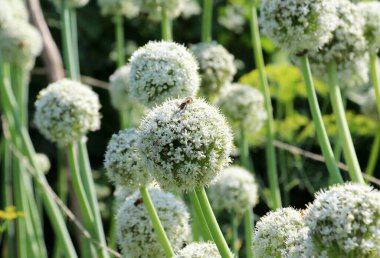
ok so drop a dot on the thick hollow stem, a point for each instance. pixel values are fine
(207, 21)
(213, 224)
(335, 176)
(166, 26)
(235, 234)
(375, 79)
(248, 229)
(162, 237)
(270, 150)
(343, 130)
(200, 216)
(120, 45)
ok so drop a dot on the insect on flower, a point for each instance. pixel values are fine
(185, 103)
(138, 202)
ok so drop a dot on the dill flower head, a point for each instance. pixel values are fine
(344, 221)
(234, 189)
(122, 160)
(348, 42)
(280, 233)
(371, 13)
(199, 250)
(298, 26)
(43, 162)
(66, 111)
(20, 43)
(243, 107)
(154, 8)
(135, 233)
(369, 106)
(185, 143)
(216, 66)
(128, 8)
(162, 70)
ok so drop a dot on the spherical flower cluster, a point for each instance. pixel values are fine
(13, 11)
(120, 97)
(348, 42)
(5, 13)
(281, 233)
(128, 8)
(122, 160)
(154, 8)
(43, 162)
(199, 250)
(185, 143)
(71, 3)
(351, 75)
(216, 66)
(135, 233)
(371, 13)
(234, 189)
(20, 43)
(243, 107)
(298, 26)
(162, 70)
(66, 111)
(344, 221)
(369, 106)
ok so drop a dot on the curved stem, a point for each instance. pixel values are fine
(166, 26)
(162, 237)
(200, 216)
(336, 177)
(375, 79)
(270, 150)
(79, 188)
(207, 21)
(119, 32)
(374, 155)
(343, 130)
(212, 223)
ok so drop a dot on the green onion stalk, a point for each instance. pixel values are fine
(20, 139)
(270, 150)
(343, 130)
(248, 214)
(86, 193)
(335, 176)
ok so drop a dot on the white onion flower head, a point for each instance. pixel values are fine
(243, 106)
(216, 66)
(234, 189)
(128, 8)
(199, 250)
(162, 70)
(71, 3)
(348, 42)
(66, 111)
(371, 13)
(154, 8)
(119, 90)
(344, 221)
(185, 145)
(369, 106)
(16, 10)
(135, 233)
(191, 8)
(350, 75)
(280, 233)
(20, 43)
(121, 194)
(122, 160)
(5, 13)
(43, 162)
(298, 26)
